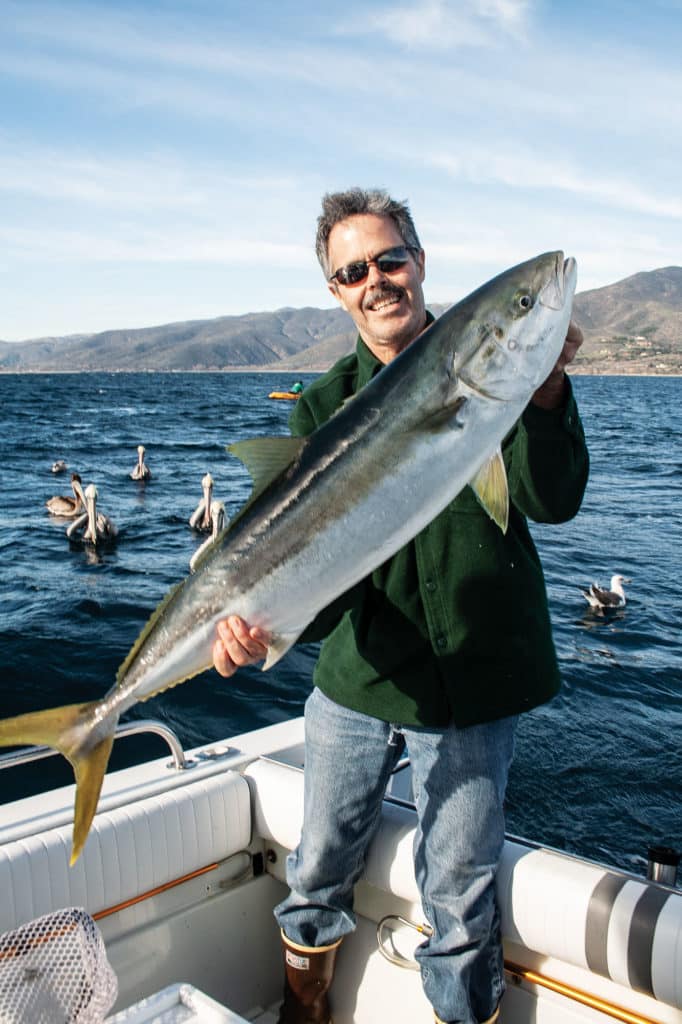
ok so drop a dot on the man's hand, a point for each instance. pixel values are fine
(550, 395)
(238, 644)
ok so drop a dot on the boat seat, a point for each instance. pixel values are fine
(130, 850)
(624, 928)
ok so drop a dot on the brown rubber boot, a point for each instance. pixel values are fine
(308, 974)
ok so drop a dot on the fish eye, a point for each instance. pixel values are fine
(525, 301)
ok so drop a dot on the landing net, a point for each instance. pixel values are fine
(54, 970)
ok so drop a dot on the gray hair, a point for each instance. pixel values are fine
(338, 206)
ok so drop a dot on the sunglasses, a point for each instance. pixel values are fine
(387, 262)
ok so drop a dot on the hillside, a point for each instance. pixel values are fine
(632, 326)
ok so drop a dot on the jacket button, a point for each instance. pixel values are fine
(430, 585)
(441, 642)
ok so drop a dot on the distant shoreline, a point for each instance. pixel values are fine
(273, 372)
(286, 373)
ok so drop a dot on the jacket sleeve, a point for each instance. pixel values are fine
(548, 462)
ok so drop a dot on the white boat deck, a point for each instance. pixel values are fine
(182, 869)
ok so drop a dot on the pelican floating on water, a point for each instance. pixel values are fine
(201, 517)
(99, 528)
(141, 471)
(614, 597)
(217, 524)
(65, 505)
(59, 466)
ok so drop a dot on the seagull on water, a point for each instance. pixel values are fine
(614, 597)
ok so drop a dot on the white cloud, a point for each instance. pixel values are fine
(526, 170)
(151, 181)
(444, 24)
(136, 245)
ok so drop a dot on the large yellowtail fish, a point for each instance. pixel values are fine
(326, 510)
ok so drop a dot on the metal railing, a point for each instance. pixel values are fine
(28, 754)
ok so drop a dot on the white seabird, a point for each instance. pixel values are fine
(98, 527)
(141, 471)
(201, 517)
(217, 524)
(614, 597)
(66, 506)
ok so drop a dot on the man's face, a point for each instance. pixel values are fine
(387, 307)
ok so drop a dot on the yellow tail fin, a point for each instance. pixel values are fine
(69, 730)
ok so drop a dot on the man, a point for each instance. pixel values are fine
(439, 650)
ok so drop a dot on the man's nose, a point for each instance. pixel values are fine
(374, 274)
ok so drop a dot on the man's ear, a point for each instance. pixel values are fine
(334, 289)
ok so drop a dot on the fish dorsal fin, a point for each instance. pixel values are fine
(146, 630)
(490, 487)
(266, 458)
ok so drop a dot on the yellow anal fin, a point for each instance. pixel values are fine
(491, 489)
(89, 769)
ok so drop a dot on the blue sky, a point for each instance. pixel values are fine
(164, 161)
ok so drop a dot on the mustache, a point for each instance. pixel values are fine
(383, 291)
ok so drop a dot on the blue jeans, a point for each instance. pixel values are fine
(459, 780)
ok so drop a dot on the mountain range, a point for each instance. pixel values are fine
(632, 326)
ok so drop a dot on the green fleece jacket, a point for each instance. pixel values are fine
(455, 626)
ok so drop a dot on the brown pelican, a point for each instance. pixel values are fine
(201, 517)
(217, 524)
(614, 597)
(141, 471)
(98, 527)
(59, 466)
(66, 506)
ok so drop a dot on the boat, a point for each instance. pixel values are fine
(290, 395)
(185, 861)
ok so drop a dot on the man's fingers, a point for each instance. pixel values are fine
(238, 645)
(250, 639)
(221, 660)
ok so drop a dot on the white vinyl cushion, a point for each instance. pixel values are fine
(129, 850)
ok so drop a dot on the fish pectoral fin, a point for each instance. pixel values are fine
(266, 458)
(444, 416)
(278, 647)
(491, 488)
(89, 769)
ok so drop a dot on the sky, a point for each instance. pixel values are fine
(164, 160)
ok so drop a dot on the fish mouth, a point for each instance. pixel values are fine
(561, 283)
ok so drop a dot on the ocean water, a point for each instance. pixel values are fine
(598, 771)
